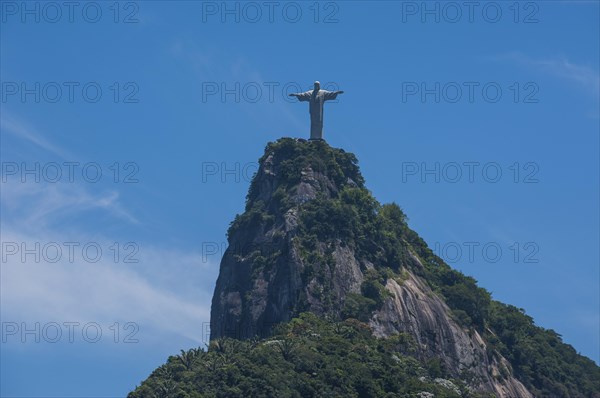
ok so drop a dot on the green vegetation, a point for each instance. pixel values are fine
(289, 159)
(307, 357)
(312, 357)
(373, 294)
(547, 366)
(540, 360)
(251, 218)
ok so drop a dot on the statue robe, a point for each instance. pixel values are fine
(316, 101)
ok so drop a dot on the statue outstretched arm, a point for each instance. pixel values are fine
(331, 95)
(305, 96)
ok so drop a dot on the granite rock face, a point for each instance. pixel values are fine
(415, 309)
(268, 276)
(248, 299)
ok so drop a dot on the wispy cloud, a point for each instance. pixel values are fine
(105, 291)
(201, 59)
(18, 128)
(167, 291)
(583, 76)
(37, 205)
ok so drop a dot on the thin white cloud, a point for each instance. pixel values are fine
(10, 125)
(166, 292)
(76, 290)
(583, 76)
(39, 202)
(43, 203)
(202, 60)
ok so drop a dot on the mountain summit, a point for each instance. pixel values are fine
(320, 280)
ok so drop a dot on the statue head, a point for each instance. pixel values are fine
(317, 86)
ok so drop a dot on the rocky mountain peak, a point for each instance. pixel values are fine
(324, 284)
(312, 238)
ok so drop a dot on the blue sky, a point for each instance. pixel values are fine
(142, 124)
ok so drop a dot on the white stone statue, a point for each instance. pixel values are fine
(316, 98)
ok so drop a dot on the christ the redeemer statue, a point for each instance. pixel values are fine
(316, 98)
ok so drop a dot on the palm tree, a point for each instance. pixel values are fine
(187, 358)
(287, 348)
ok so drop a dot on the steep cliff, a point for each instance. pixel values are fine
(313, 240)
(308, 239)
(271, 271)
